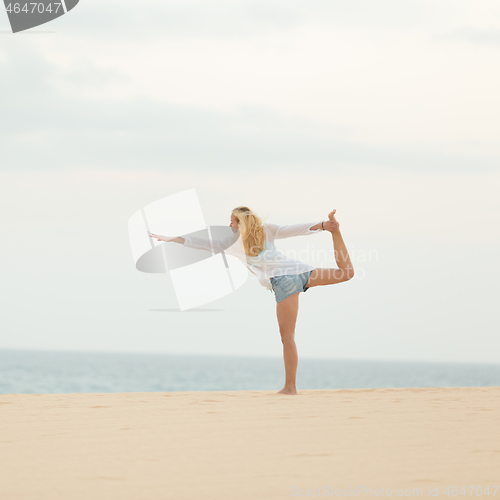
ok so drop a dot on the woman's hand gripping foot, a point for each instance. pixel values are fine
(331, 224)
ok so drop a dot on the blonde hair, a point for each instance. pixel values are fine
(251, 229)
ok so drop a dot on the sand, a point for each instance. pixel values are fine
(250, 444)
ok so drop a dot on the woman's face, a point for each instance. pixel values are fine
(234, 223)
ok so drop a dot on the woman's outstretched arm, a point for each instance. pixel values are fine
(177, 239)
(214, 245)
(288, 231)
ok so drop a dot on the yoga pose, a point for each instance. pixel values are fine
(285, 277)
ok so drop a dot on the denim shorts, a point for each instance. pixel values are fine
(289, 284)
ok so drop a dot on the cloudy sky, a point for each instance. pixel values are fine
(387, 111)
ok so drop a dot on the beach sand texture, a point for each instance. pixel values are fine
(248, 444)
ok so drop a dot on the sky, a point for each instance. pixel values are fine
(386, 111)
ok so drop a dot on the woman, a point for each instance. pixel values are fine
(285, 277)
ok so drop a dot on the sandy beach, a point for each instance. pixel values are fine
(250, 444)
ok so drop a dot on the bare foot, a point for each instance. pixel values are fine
(292, 391)
(331, 215)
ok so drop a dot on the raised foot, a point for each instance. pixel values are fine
(289, 391)
(331, 215)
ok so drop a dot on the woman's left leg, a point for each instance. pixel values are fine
(286, 311)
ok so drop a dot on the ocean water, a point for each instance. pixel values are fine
(58, 372)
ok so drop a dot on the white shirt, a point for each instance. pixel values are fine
(270, 262)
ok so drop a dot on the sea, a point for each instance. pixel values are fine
(60, 372)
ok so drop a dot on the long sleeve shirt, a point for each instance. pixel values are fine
(270, 262)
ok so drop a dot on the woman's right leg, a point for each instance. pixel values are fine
(329, 276)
